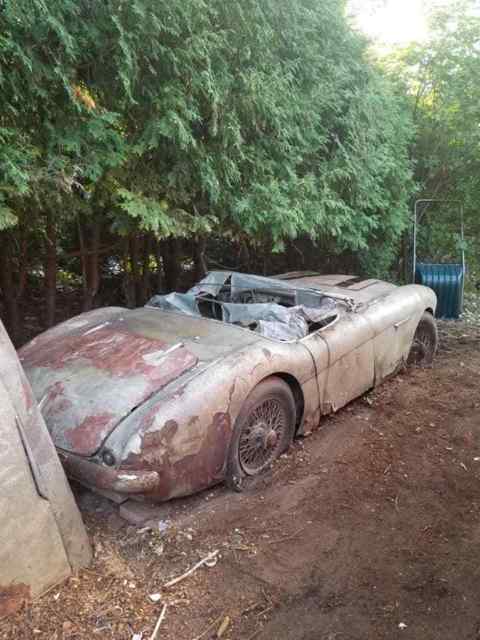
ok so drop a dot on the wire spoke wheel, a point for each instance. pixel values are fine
(425, 342)
(262, 436)
(263, 430)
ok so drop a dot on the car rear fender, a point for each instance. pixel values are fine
(394, 319)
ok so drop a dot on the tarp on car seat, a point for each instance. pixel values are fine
(268, 318)
(42, 536)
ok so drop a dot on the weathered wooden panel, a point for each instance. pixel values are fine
(42, 537)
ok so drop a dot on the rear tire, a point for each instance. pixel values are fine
(263, 430)
(425, 341)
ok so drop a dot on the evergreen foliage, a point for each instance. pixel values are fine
(264, 116)
(442, 77)
(133, 124)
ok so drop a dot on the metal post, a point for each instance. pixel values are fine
(415, 241)
(416, 221)
(415, 227)
(462, 236)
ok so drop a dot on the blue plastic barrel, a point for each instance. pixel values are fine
(447, 281)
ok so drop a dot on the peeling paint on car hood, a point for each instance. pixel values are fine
(92, 371)
(86, 383)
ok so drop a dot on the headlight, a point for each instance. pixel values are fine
(108, 458)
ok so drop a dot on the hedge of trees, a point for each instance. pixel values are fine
(144, 141)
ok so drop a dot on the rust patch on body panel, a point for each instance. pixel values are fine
(12, 598)
(182, 474)
(113, 349)
(105, 373)
(220, 433)
(231, 391)
(311, 421)
(85, 437)
(55, 400)
(158, 440)
(56, 391)
(194, 473)
(102, 477)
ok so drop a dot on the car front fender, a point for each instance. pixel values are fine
(183, 432)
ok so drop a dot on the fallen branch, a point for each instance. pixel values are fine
(209, 558)
(209, 628)
(251, 607)
(159, 622)
(223, 627)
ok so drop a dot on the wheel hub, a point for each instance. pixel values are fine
(261, 437)
(271, 439)
(420, 348)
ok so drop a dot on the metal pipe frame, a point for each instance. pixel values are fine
(416, 221)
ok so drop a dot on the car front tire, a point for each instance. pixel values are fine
(263, 430)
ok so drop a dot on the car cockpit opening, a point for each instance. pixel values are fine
(270, 307)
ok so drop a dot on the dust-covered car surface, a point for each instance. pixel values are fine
(212, 385)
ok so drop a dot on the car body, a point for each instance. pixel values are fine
(145, 402)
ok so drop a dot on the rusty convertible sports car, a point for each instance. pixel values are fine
(213, 384)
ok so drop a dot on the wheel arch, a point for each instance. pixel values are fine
(429, 316)
(296, 389)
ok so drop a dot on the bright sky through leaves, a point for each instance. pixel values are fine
(393, 22)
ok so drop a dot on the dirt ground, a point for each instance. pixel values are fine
(369, 528)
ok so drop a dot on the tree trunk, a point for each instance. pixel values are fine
(404, 270)
(134, 261)
(50, 269)
(199, 246)
(10, 297)
(83, 259)
(171, 263)
(243, 258)
(90, 264)
(160, 281)
(93, 264)
(294, 256)
(146, 287)
(128, 284)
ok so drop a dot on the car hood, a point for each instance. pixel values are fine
(92, 371)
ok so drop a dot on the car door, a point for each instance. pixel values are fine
(344, 357)
(394, 319)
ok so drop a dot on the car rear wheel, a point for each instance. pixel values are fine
(425, 341)
(263, 430)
